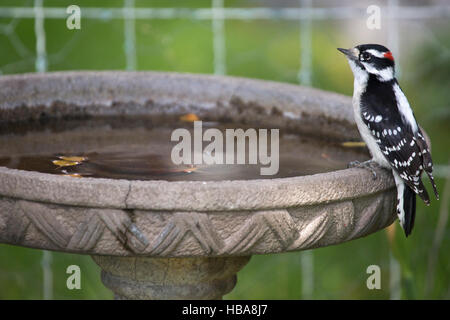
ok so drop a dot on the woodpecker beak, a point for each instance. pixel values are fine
(350, 53)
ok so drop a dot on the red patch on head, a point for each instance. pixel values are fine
(389, 55)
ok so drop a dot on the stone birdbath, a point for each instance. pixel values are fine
(160, 239)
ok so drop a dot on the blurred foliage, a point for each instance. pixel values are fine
(255, 49)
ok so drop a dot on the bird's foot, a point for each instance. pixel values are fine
(369, 165)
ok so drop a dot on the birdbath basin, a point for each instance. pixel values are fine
(176, 232)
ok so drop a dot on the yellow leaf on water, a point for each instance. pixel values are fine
(190, 117)
(325, 156)
(76, 159)
(353, 144)
(64, 163)
(75, 175)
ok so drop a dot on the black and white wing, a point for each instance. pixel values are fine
(386, 112)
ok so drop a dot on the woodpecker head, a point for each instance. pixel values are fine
(372, 59)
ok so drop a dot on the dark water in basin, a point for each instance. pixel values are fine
(139, 148)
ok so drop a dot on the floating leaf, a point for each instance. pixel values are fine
(325, 156)
(190, 117)
(75, 159)
(189, 170)
(65, 163)
(74, 175)
(353, 144)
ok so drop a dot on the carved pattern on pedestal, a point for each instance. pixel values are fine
(271, 230)
(279, 222)
(87, 234)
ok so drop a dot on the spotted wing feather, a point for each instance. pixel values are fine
(403, 148)
(426, 159)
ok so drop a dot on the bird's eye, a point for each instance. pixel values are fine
(364, 56)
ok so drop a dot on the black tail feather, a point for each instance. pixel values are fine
(409, 207)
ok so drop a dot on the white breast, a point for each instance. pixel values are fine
(366, 135)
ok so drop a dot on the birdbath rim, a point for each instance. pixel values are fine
(186, 195)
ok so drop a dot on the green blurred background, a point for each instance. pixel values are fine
(413, 268)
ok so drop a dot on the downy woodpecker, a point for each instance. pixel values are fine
(388, 127)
